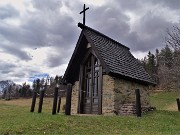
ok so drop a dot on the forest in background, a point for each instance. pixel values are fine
(11, 90)
(164, 64)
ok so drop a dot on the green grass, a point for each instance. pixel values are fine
(15, 118)
(164, 100)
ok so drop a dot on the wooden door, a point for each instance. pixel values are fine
(92, 82)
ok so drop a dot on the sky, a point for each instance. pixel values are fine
(37, 37)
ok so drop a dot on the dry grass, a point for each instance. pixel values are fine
(26, 102)
(18, 102)
(172, 107)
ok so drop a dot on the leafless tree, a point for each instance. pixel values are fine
(173, 37)
(173, 40)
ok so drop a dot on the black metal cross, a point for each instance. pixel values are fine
(84, 16)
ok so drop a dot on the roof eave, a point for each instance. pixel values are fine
(72, 58)
(131, 78)
(107, 70)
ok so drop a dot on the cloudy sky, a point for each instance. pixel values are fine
(39, 36)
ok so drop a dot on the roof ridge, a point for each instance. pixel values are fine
(82, 26)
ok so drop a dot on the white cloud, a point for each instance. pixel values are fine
(96, 3)
(21, 5)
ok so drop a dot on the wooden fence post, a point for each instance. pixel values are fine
(59, 104)
(55, 101)
(68, 100)
(41, 101)
(33, 101)
(138, 103)
(178, 104)
(34, 95)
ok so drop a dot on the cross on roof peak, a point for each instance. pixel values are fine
(83, 11)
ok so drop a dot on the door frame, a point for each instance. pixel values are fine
(81, 84)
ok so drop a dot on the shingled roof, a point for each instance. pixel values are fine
(116, 58)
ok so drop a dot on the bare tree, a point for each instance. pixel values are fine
(173, 40)
(173, 37)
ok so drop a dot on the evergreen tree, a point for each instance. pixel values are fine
(150, 66)
(166, 56)
(157, 57)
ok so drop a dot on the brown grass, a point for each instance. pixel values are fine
(18, 102)
(26, 102)
(172, 107)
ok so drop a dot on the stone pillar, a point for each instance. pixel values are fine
(74, 100)
(108, 95)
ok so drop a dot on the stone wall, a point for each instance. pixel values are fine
(108, 96)
(125, 96)
(74, 100)
(119, 96)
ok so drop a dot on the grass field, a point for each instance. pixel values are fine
(165, 100)
(15, 118)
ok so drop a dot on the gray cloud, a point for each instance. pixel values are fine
(150, 33)
(19, 74)
(41, 28)
(14, 50)
(6, 67)
(54, 60)
(47, 25)
(46, 4)
(110, 21)
(128, 5)
(8, 11)
(172, 4)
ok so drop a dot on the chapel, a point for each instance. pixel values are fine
(104, 75)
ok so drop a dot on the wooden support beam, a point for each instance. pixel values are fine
(41, 101)
(59, 104)
(33, 101)
(55, 101)
(68, 100)
(138, 103)
(178, 104)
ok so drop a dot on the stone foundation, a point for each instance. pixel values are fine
(130, 109)
(126, 109)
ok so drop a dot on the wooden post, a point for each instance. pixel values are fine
(68, 100)
(79, 111)
(59, 104)
(41, 101)
(55, 101)
(178, 104)
(138, 103)
(34, 95)
(33, 101)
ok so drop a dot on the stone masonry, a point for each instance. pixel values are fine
(74, 100)
(108, 96)
(118, 96)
